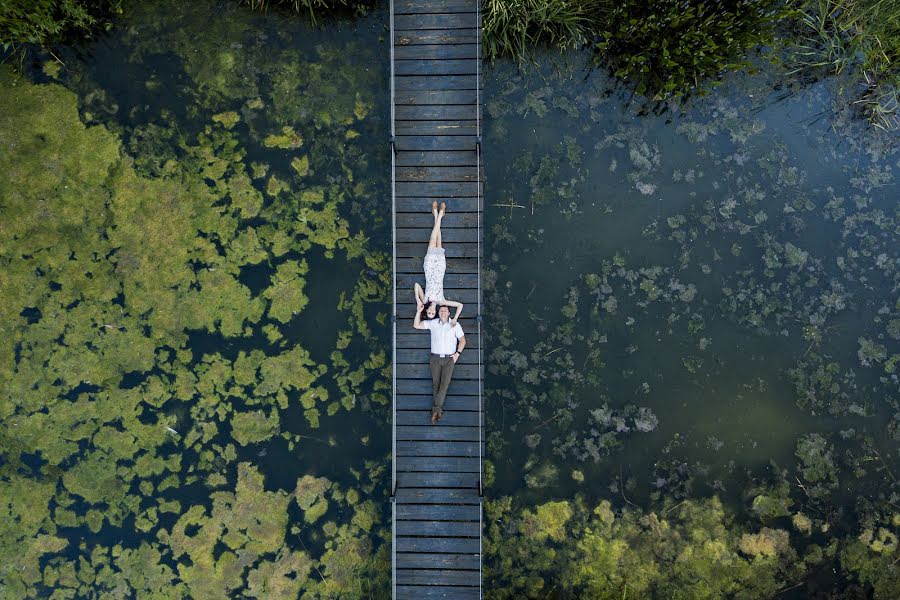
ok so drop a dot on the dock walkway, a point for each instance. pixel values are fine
(436, 132)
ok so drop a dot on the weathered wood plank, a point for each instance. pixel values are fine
(433, 592)
(441, 112)
(452, 418)
(436, 128)
(436, 21)
(414, 204)
(437, 52)
(452, 403)
(451, 280)
(436, 189)
(449, 237)
(418, 248)
(418, 7)
(437, 495)
(460, 158)
(435, 67)
(437, 561)
(439, 512)
(437, 527)
(438, 434)
(421, 356)
(434, 36)
(433, 577)
(435, 142)
(411, 83)
(460, 545)
(454, 265)
(436, 174)
(438, 464)
(407, 448)
(422, 371)
(440, 480)
(451, 220)
(421, 339)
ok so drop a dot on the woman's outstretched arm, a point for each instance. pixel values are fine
(420, 294)
(458, 305)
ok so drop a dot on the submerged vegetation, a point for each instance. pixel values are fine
(154, 279)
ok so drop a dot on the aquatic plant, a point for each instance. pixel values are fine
(671, 48)
(860, 39)
(516, 28)
(45, 21)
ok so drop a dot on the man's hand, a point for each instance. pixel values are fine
(452, 323)
(419, 305)
(455, 356)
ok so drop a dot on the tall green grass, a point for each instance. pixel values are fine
(859, 39)
(313, 8)
(515, 28)
(42, 22)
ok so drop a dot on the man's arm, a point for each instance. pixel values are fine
(460, 346)
(417, 321)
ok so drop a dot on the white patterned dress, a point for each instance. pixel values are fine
(435, 265)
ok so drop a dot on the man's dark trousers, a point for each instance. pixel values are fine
(441, 372)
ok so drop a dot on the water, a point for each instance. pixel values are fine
(660, 291)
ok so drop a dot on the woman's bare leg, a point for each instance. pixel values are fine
(440, 217)
(435, 240)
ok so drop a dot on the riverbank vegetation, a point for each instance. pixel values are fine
(42, 22)
(672, 49)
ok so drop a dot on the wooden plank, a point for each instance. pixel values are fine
(436, 189)
(435, 174)
(415, 204)
(418, 7)
(436, 21)
(433, 577)
(449, 237)
(438, 128)
(422, 355)
(452, 403)
(432, 142)
(441, 480)
(434, 592)
(417, 338)
(457, 545)
(454, 265)
(418, 249)
(451, 280)
(439, 512)
(463, 66)
(407, 448)
(438, 527)
(437, 464)
(437, 495)
(431, 112)
(437, 561)
(422, 371)
(438, 434)
(434, 83)
(451, 220)
(438, 52)
(434, 36)
(452, 418)
(460, 158)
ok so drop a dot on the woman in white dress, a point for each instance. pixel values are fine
(435, 265)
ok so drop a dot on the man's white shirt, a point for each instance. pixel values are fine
(443, 336)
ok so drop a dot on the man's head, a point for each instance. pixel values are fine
(444, 313)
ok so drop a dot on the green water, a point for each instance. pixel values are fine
(681, 309)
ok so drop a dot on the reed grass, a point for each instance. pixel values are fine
(515, 28)
(42, 22)
(859, 39)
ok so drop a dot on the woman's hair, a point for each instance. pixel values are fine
(424, 314)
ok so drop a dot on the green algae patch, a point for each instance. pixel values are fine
(288, 139)
(227, 119)
(253, 427)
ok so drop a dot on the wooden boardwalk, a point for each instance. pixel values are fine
(437, 470)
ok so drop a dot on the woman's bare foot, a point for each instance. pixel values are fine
(434, 210)
(443, 209)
